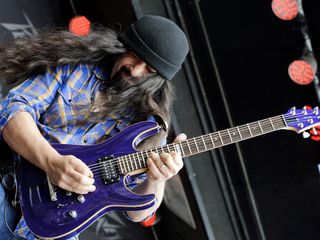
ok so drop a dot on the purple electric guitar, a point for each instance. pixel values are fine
(56, 214)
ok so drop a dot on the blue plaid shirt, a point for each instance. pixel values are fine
(52, 100)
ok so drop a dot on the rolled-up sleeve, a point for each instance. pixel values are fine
(34, 95)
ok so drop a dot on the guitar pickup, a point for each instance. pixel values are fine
(109, 170)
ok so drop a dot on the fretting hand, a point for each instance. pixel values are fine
(166, 165)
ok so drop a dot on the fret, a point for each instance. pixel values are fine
(207, 141)
(249, 131)
(266, 125)
(120, 164)
(204, 143)
(182, 149)
(228, 131)
(234, 134)
(157, 150)
(134, 160)
(195, 143)
(179, 149)
(123, 166)
(127, 163)
(226, 139)
(239, 132)
(132, 168)
(185, 148)
(143, 159)
(217, 141)
(168, 149)
(220, 138)
(211, 139)
(260, 126)
(255, 129)
(162, 150)
(148, 153)
(172, 148)
(187, 142)
(120, 167)
(139, 160)
(278, 122)
(200, 144)
(271, 123)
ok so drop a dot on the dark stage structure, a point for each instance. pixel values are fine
(266, 188)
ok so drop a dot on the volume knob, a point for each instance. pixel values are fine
(81, 199)
(73, 214)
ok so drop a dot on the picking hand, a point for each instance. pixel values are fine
(71, 174)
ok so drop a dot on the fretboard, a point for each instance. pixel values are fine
(136, 161)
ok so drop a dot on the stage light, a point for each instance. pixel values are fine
(79, 25)
(303, 71)
(285, 9)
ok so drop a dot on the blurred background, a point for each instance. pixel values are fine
(244, 65)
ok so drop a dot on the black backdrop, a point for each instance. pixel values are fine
(275, 177)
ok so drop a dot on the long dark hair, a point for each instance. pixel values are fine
(151, 95)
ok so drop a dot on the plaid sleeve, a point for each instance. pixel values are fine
(34, 95)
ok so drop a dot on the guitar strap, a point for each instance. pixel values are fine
(7, 178)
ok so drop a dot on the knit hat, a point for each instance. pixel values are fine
(159, 42)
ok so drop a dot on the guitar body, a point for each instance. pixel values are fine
(67, 215)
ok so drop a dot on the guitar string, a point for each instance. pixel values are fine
(222, 139)
(194, 146)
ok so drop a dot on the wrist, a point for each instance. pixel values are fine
(155, 183)
(47, 157)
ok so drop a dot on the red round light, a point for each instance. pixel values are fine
(79, 26)
(301, 72)
(285, 9)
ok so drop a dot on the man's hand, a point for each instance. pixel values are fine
(166, 165)
(71, 174)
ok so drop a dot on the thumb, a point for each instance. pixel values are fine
(180, 137)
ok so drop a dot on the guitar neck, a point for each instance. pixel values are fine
(203, 143)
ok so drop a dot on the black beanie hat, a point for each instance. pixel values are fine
(159, 42)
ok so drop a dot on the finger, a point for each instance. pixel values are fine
(156, 159)
(161, 163)
(177, 159)
(81, 179)
(74, 189)
(79, 189)
(173, 163)
(168, 161)
(82, 168)
(71, 186)
(180, 137)
(154, 171)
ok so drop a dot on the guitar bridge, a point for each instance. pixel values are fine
(109, 170)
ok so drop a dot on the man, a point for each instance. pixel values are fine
(83, 91)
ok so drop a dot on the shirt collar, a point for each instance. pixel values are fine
(100, 73)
